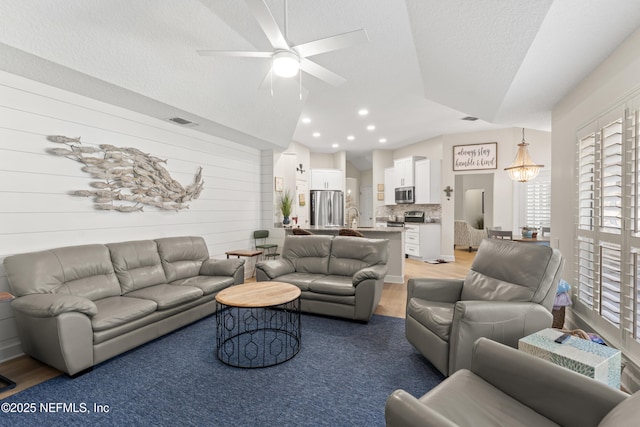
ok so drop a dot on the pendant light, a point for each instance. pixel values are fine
(523, 169)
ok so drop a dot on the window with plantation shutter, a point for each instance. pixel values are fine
(610, 276)
(602, 152)
(586, 271)
(607, 252)
(632, 312)
(611, 178)
(538, 201)
(586, 181)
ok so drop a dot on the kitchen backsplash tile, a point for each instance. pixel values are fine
(430, 211)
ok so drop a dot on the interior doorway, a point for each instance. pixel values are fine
(474, 199)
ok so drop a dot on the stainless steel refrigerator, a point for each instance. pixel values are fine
(327, 208)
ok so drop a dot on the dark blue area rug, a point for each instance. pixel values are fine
(342, 376)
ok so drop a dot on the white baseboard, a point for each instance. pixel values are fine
(10, 351)
(390, 278)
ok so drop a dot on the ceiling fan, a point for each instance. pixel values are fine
(287, 61)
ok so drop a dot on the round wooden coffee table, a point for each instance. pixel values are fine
(258, 324)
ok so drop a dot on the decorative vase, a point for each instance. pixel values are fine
(286, 220)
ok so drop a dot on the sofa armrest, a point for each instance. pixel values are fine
(51, 305)
(563, 396)
(404, 410)
(221, 267)
(502, 321)
(269, 270)
(437, 290)
(375, 272)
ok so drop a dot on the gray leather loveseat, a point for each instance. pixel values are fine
(81, 305)
(338, 276)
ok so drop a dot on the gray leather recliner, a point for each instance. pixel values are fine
(507, 387)
(507, 294)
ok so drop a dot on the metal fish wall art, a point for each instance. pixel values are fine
(126, 178)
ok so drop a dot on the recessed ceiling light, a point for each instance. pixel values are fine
(334, 145)
(363, 112)
(351, 137)
(371, 128)
(316, 134)
(306, 120)
(382, 140)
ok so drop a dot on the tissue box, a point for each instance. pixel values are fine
(596, 361)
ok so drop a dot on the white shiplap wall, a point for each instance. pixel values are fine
(36, 211)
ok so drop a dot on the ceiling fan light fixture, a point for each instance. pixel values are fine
(286, 64)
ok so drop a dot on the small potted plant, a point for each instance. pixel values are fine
(286, 202)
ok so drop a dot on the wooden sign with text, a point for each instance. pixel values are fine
(475, 156)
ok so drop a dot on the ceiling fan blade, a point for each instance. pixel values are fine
(268, 23)
(242, 53)
(321, 72)
(328, 44)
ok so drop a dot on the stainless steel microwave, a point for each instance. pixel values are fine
(405, 195)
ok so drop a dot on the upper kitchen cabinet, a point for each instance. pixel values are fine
(427, 183)
(404, 170)
(389, 187)
(327, 179)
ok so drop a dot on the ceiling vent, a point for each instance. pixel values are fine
(182, 122)
(470, 118)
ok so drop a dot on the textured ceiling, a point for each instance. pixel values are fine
(427, 64)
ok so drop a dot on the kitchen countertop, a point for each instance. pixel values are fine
(361, 229)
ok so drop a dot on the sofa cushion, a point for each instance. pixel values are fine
(350, 254)
(436, 316)
(182, 257)
(466, 399)
(85, 271)
(301, 280)
(137, 264)
(308, 254)
(623, 415)
(115, 311)
(208, 284)
(167, 296)
(333, 285)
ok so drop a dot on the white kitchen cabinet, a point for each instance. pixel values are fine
(422, 241)
(412, 240)
(327, 179)
(389, 187)
(427, 181)
(404, 171)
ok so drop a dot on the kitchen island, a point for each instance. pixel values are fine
(395, 236)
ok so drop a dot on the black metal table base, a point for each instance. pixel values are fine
(257, 337)
(6, 384)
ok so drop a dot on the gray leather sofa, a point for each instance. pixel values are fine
(338, 276)
(507, 387)
(81, 305)
(507, 294)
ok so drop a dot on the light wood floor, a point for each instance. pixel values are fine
(27, 372)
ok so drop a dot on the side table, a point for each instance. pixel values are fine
(6, 383)
(594, 360)
(249, 253)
